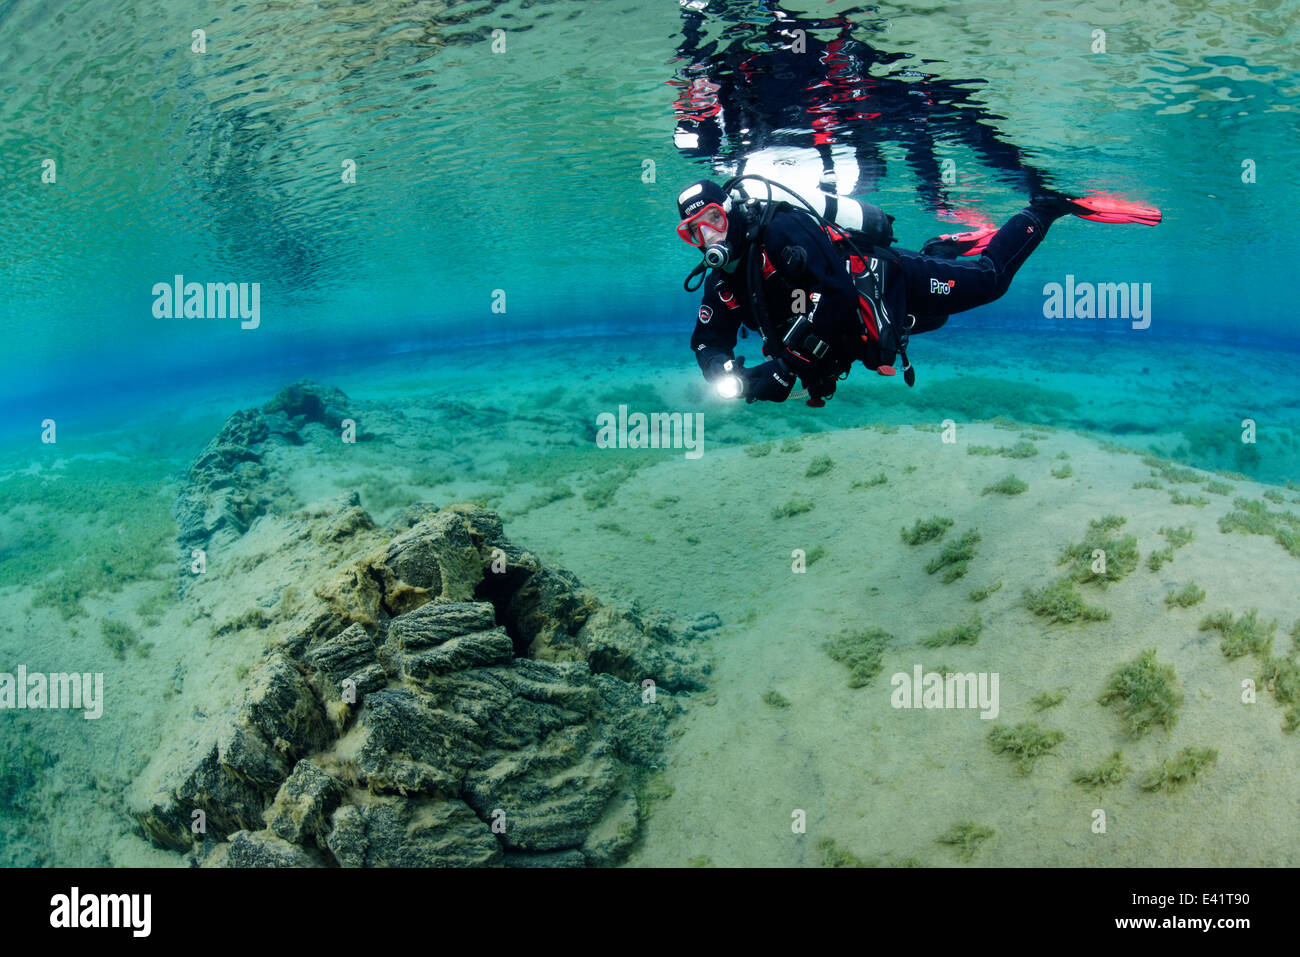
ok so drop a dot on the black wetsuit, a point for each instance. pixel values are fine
(938, 286)
(799, 256)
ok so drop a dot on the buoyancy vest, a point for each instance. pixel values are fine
(882, 305)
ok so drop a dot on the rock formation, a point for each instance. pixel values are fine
(229, 483)
(442, 700)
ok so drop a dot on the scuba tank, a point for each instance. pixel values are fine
(867, 223)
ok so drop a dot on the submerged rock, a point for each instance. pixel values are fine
(388, 832)
(194, 776)
(616, 643)
(236, 763)
(229, 485)
(348, 656)
(402, 743)
(306, 402)
(304, 805)
(442, 700)
(259, 849)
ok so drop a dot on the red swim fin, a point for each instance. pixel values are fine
(951, 245)
(973, 243)
(1107, 209)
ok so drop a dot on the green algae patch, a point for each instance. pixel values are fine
(599, 493)
(1246, 635)
(25, 805)
(91, 526)
(775, 699)
(1049, 699)
(1021, 450)
(819, 466)
(966, 837)
(1026, 742)
(796, 506)
(872, 482)
(1101, 558)
(1010, 485)
(653, 789)
(833, 855)
(1185, 597)
(979, 594)
(552, 495)
(860, 652)
(1177, 538)
(152, 607)
(1255, 518)
(970, 398)
(1177, 474)
(1157, 559)
(1282, 676)
(1184, 767)
(559, 464)
(122, 638)
(966, 633)
(927, 530)
(1060, 602)
(954, 560)
(1146, 693)
(1111, 771)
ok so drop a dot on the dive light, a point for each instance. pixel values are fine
(729, 385)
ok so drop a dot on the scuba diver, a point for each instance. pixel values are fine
(823, 287)
(801, 104)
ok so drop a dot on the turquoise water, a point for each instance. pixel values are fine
(522, 170)
(436, 212)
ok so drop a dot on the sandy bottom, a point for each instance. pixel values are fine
(696, 535)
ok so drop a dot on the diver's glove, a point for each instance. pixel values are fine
(721, 365)
(770, 382)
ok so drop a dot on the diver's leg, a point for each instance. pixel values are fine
(937, 286)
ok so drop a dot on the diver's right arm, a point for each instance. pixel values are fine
(714, 345)
(714, 338)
